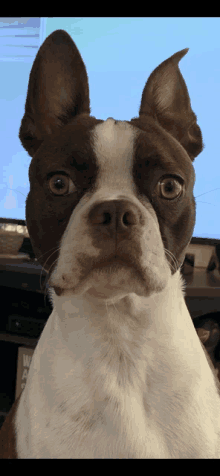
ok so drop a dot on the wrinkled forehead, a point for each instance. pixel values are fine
(114, 145)
(113, 148)
(120, 145)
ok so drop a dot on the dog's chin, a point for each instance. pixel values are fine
(113, 282)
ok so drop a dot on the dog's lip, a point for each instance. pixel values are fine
(107, 263)
(111, 262)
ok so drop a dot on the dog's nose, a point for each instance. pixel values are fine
(115, 215)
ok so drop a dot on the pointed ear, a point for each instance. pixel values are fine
(166, 98)
(58, 90)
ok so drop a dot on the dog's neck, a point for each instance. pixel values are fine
(132, 319)
(120, 369)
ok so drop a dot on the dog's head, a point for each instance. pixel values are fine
(110, 202)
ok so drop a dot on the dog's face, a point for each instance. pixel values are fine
(110, 202)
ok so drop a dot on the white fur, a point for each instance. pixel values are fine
(136, 368)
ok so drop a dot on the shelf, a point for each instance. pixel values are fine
(17, 339)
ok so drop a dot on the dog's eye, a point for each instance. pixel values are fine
(61, 185)
(170, 188)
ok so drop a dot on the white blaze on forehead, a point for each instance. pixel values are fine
(114, 148)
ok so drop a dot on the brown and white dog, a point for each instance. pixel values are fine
(119, 371)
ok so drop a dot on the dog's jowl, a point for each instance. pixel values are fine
(119, 371)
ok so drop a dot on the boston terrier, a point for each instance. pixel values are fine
(119, 370)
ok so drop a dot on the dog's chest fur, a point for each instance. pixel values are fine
(111, 387)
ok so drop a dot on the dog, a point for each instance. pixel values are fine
(119, 371)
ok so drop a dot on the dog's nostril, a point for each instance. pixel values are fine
(115, 213)
(107, 218)
(128, 219)
(125, 219)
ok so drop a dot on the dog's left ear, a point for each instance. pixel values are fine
(58, 90)
(166, 97)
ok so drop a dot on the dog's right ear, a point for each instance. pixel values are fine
(58, 90)
(166, 98)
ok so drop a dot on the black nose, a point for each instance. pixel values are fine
(115, 215)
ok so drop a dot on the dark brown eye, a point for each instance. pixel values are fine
(61, 185)
(170, 188)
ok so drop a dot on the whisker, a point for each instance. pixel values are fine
(208, 192)
(169, 253)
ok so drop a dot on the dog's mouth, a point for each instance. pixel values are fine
(104, 267)
(112, 263)
(109, 266)
(113, 276)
